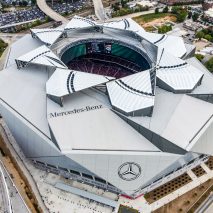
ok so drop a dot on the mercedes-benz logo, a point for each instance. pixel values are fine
(129, 171)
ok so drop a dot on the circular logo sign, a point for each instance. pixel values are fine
(129, 171)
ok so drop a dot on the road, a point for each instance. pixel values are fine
(99, 10)
(49, 12)
(5, 204)
(16, 201)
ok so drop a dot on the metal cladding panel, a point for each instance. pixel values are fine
(160, 142)
(173, 44)
(101, 128)
(33, 142)
(125, 24)
(21, 47)
(42, 56)
(176, 73)
(47, 36)
(79, 22)
(64, 82)
(112, 167)
(186, 122)
(34, 145)
(181, 80)
(132, 93)
(202, 143)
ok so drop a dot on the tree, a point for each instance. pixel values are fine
(156, 10)
(180, 13)
(199, 57)
(165, 9)
(175, 9)
(195, 16)
(208, 37)
(123, 3)
(24, 3)
(200, 34)
(209, 64)
(33, 2)
(164, 29)
(14, 3)
(115, 7)
(189, 15)
(181, 16)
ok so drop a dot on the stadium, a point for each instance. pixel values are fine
(108, 104)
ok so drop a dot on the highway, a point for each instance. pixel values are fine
(49, 12)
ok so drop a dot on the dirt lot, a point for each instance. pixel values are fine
(150, 20)
(200, 45)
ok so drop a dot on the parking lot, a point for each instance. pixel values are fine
(35, 13)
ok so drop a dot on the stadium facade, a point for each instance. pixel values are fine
(108, 104)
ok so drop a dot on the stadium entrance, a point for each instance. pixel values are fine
(105, 58)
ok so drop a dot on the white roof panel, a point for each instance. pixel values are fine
(132, 93)
(180, 78)
(125, 24)
(177, 73)
(43, 56)
(100, 129)
(182, 127)
(173, 44)
(165, 58)
(64, 82)
(47, 35)
(79, 22)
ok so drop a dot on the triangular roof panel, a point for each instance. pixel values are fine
(47, 36)
(64, 82)
(134, 92)
(79, 22)
(177, 74)
(42, 56)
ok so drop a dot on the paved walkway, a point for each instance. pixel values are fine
(49, 12)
